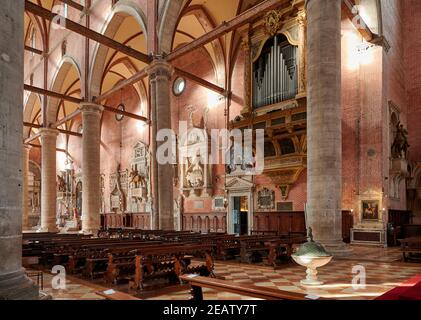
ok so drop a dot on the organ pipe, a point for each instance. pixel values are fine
(275, 73)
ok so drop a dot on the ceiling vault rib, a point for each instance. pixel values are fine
(225, 27)
(78, 101)
(139, 76)
(86, 32)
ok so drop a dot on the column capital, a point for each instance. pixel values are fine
(48, 132)
(90, 107)
(160, 68)
(27, 147)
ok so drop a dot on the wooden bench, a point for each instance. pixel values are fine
(58, 253)
(97, 262)
(410, 248)
(120, 264)
(254, 248)
(197, 283)
(282, 249)
(227, 247)
(170, 263)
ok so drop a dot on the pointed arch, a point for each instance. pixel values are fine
(169, 17)
(121, 10)
(65, 66)
(30, 104)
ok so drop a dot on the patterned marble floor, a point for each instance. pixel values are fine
(383, 268)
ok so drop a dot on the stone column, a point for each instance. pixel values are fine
(48, 180)
(160, 73)
(14, 285)
(324, 209)
(25, 188)
(91, 173)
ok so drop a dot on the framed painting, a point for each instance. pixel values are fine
(370, 209)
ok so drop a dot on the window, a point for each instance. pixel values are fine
(179, 86)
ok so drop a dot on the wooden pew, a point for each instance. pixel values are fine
(33, 243)
(58, 252)
(170, 263)
(279, 249)
(197, 283)
(254, 248)
(410, 248)
(227, 247)
(120, 264)
(100, 263)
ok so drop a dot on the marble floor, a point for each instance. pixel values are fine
(383, 269)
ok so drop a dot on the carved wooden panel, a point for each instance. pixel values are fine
(294, 221)
(141, 221)
(135, 220)
(205, 222)
(282, 222)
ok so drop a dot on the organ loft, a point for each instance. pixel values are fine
(210, 150)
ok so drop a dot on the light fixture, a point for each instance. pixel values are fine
(118, 116)
(179, 86)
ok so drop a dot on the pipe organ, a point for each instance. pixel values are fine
(275, 73)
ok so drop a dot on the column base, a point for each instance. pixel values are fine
(17, 286)
(337, 249)
(93, 232)
(48, 230)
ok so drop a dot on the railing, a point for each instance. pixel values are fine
(197, 283)
(38, 276)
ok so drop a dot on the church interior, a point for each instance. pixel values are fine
(210, 150)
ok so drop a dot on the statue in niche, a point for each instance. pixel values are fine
(178, 212)
(400, 144)
(239, 159)
(191, 111)
(118, 201)
(195, 172)
(61, 183)
(137, 180)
